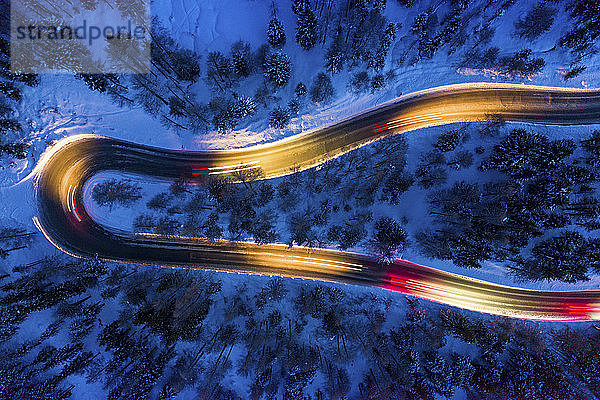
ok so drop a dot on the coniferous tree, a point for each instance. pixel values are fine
(11, 91)
(360, 82)
(242, 107)
(279, 118)
(264, 228)
(219, 71)
(448, 140)
(241, 59)
(300, 89)
(9, 125)
(186, 64)
(537, 21)
(463, 159)
(585, 28)
(212, 229)
(276, 33)
(321, 90)
(395, 185)
(306, 29)
(574, 71)
(428, 176)
(592, 148)
(277, 68)
(566, 257)
(294, 106)
(377, 61)
(112, 191)
(377, 82)
(335, 57)
(389, 237)
(521, 65)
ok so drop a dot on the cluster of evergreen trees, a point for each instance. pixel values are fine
(541, 188)
(363, 38)
(307, 204)
(156, 333)
(12, 142)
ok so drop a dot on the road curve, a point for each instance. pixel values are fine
(63, 170)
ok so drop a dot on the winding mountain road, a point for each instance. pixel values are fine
(63, 170)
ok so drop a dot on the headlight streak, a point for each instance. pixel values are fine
(397, 123)
(226, 169)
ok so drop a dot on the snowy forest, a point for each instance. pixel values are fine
(513, 202)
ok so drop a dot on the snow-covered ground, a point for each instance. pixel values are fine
(62, 106)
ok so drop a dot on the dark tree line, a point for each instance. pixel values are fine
(173, 330)
(541, 188)
(11, 95)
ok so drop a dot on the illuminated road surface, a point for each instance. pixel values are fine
(63, 170)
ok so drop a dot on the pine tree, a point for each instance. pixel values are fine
(228, 113)
(266, 193)
(98, 82)
(522, 154)
(299, 6)
(334, 61)
(448, 140)
(335, 57)
(167, 226)
(159, 202)
(294, 106)
(279, 118)
(592, 147)
(113, 191)
(300, 89)
(219, 71)
(463, 159)
(587, 207)
(377, 61)
(521, 65)
(377, 82)
(429, 176)
(278, 69)
(240, 58)
(243, 106)
(306, 30)
(264, 230)
(8, 125)
(395, 185)
(585, 28)
(360, 82)
(197, 117)
(276, 33)
(11, 91)
(177, 107)
(574, 71)
(301, 231)
(212, 229)
(186, 64)
(321, 90)
(537, 21)
(389, 237)
(566, 257)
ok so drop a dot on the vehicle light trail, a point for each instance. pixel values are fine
(64, 220)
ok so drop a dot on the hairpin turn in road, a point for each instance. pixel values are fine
(63, 170)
